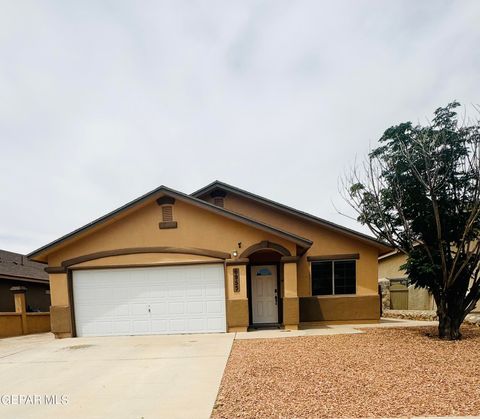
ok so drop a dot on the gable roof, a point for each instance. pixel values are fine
(164, 190)
(385, 248)
(16, 266)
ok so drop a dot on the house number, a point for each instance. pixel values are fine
(236, 280)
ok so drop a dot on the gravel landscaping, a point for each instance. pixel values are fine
(381, 373)
(428, 315)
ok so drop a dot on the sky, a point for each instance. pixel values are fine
(102, 101)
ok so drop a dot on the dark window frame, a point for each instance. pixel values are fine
(332, 262)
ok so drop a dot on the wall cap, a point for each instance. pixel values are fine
(18, 290)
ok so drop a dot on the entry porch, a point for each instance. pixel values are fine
(262, 289)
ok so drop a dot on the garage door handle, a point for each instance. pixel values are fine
(149, 309)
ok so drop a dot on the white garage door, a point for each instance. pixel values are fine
(144, 301)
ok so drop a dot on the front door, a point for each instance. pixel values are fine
(264, 294)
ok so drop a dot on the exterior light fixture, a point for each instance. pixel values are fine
(235, 253)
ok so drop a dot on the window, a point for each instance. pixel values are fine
(264, 272)
(333, 277)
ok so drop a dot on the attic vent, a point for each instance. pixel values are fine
(167, 213)
(166, 203)
(218, 196)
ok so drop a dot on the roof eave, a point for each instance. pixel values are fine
(42, 251)
(383, 247)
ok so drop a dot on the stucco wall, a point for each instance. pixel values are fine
(339, 308)
(197, 228)
(390, 267)
(325, 242)
(11, 324)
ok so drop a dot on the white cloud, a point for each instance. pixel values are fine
(276, 97)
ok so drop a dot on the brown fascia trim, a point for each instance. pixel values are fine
(240, 261)
(134, 251)
(137, 250)
(263, 246)
(23, 279)
(148, 265)
(301, 241)
(55, 270)
(290, 210)
(350, 256)
(289, 259)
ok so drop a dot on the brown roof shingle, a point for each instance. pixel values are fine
(17, 266)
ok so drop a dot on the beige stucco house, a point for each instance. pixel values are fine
(398, 293)
(391, 274)
(220, 259)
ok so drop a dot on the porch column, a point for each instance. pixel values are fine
(290, 296)
(60, 309)
(237, 300)
(21, 305)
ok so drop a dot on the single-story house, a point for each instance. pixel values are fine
(220, 259)
(16, 270)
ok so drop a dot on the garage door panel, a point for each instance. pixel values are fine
(139, 309)
(175, 308)
(195, 291)
(197, 325)
(157, 300)
(212, 291)
(214, 307)
(141, 326)
(159, 309)
(177, 325)
(215, 322)
(196, 307)
(160, 325)
(121, 327)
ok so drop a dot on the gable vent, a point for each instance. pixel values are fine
(218, 196)
(166, 203)
(167, 213)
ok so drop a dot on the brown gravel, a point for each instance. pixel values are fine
(382, 373)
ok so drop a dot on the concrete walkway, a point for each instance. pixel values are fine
(112, 377)
(340, 329)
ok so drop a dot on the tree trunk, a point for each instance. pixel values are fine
(449, 320)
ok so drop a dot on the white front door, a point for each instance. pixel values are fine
(147, 301)
(264, 294)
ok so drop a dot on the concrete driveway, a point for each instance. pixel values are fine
(117, 377)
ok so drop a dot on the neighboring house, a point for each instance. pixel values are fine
(390, 274)
(16, 270)
(397, 292)
(220, 259)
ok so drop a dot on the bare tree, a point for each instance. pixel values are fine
(419, 191)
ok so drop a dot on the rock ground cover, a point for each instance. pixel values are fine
(381, 373)
(472, 318)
